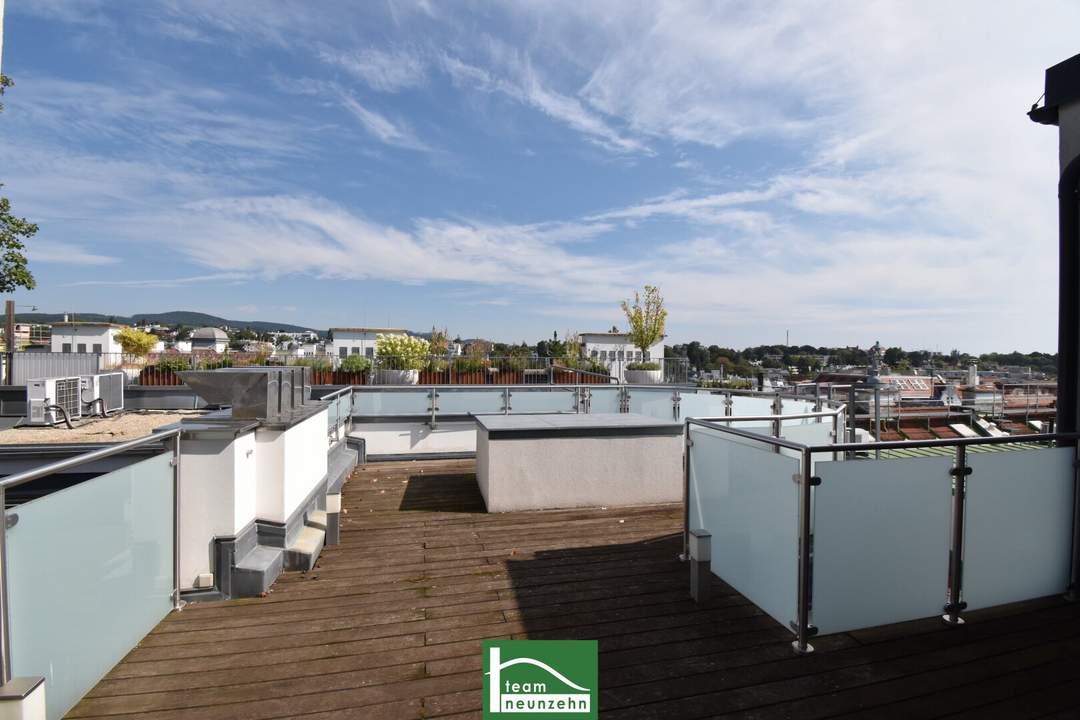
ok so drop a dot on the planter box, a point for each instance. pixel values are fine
(434, 377)
(338, 377)
(644, 377)
(397, 377)
(154, 376)
(504, 377)
(469, 377)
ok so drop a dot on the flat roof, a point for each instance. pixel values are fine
(74, 323)
(1062, 87)
(368, 329)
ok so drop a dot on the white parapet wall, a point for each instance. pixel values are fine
(291, 463)
(602, 466)
(226, 484)
(416, 438)
(217, 498)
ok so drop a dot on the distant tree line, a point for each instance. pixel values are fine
(808, 358)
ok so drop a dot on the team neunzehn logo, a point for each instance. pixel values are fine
(540, 678)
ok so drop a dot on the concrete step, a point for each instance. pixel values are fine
(340, 462)
(305, 549)
(257, 571)
(317, 519)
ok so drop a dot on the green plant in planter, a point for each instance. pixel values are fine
(172, 364)
(355, 364)
(511, 364)
(642, 366)
(402, 352)
(596, 367)
(469, 364)
(317, 364)
(216, 364)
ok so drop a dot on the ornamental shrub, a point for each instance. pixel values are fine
(402, 352)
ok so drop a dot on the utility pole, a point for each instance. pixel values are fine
(9, 342)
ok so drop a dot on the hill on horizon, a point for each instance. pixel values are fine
(174, 317)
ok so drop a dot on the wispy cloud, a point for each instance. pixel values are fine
(383, 70)
(381, 127)
(523, 84)
(45, 251)
(221, 277)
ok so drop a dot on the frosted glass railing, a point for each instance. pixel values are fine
(605, 399)
(413, 401)
(881, 541)
(742, 493)
(465, 402)
(657, 403)
(1018, 525)
(554, 400)
(701, 405)
(332, 414)
(89, 574)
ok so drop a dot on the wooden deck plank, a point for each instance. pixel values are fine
(389, 624)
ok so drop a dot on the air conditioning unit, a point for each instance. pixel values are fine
(107, 387)
(43, 393)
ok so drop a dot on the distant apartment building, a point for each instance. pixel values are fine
(358, 340)
(210, 339)
(85, 337)
(616, 347)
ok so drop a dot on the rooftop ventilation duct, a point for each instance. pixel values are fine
(253, 393)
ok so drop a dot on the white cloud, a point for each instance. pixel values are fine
(225, 277)
(386, 71)
(382, 128)
(44, 251)
(522, 84)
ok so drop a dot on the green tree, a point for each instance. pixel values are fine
(14, 231)
(135, 342)
(646, 319)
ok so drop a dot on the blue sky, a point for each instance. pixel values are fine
(846, 171)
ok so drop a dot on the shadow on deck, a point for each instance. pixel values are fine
(390, 625)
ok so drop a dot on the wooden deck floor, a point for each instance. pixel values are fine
(390, 625)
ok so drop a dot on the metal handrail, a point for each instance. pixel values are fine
(767, 439)
(607, 376)
(954, 605)
(944, 442)
(758, 418)
(26, 476)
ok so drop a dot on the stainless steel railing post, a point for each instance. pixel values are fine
(803, 630)
(689, 443)
(955, 604)
(178, 604)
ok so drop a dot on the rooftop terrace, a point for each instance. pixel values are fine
(390, 623)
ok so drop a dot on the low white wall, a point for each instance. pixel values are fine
(547, 473)
(217, 498)
(291, 463)
(225, 485)
(406, 438)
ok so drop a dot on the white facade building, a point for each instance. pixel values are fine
(357, 340)
(609, 346)
(615, 350)
(85, 337)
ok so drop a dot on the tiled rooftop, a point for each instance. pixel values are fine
(390, 624)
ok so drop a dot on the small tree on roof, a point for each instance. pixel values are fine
(646, 318)
(135, 342)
